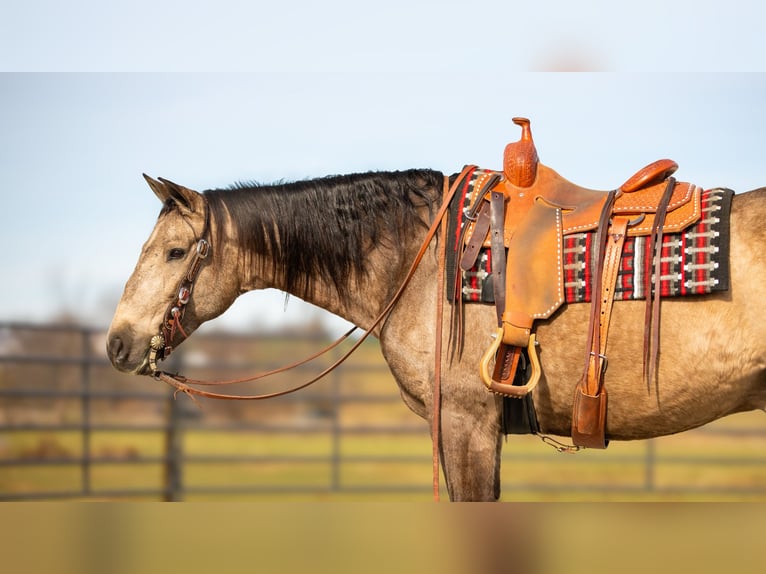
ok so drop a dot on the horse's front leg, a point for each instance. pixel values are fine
(470, 436)
(471, 444)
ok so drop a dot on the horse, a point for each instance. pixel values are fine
(346, 243)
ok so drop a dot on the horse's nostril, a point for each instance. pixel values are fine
(115, 349)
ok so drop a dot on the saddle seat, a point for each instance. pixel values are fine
(526, 211)
(581, 207)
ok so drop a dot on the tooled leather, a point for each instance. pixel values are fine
(590, 395)
(654, 172)
(612, 258)
(581, 207)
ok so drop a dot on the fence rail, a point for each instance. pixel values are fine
(73, 428)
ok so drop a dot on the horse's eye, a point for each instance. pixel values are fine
(176, 253)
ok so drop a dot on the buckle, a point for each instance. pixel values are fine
(203, 248)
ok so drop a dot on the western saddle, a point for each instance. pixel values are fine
(525, 212)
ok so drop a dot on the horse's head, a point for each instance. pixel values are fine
(177, 284)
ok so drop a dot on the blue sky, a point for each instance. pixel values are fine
(308, 93)
(391, 36)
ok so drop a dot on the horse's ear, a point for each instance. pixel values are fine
(186, 199)
(162, 193)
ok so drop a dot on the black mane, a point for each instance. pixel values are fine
(322, 228)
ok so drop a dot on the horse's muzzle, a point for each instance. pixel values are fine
(120, 350)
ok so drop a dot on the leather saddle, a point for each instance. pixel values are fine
(522, 215)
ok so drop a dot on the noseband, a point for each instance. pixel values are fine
(161, 345)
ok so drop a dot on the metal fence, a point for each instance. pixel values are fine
(73, 428)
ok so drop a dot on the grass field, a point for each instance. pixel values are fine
(697, 465)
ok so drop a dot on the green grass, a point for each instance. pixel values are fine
(532, 471)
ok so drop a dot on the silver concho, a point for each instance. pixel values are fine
(156, 345)
(157, 342)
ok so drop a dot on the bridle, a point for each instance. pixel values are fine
(161, 345)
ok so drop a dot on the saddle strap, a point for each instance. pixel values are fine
(653, 296)
(590, 400)
(497, 225)
(480, 214)
(612, 259)
(476, 241)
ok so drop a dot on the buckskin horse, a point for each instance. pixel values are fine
(347, 244)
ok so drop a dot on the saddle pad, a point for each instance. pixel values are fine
(694, 262)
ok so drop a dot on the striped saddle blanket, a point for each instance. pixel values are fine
(694, 262)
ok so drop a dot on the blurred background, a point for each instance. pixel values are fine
(302, 92)
(305, 89)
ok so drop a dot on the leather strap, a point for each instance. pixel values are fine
(507, 356)
(473, 247)
(436, 414)
(612, 260)
(590, 401)
(653, 296)
(593, 341)
(482, 221)
(497, 227)
(590, 396)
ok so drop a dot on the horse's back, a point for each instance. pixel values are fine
(712, 348)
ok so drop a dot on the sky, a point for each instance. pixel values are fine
(206, 97)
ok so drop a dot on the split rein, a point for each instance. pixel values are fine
(160, 344)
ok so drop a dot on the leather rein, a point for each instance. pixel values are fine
(160, 346)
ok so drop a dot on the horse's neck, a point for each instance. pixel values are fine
(364, 297)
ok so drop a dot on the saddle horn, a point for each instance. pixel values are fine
(520, 158)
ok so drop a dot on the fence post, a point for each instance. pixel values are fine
(173, 451)
(85, 420)
(649, 464)
(173, 474)
(335, 479)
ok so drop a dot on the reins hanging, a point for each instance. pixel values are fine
(184, 384)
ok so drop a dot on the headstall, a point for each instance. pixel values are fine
(161, 345)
